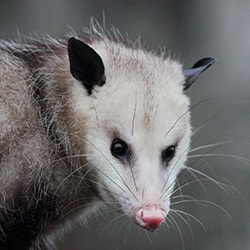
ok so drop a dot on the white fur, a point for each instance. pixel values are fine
(142, 103)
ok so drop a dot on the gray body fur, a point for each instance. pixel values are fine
(35, 118)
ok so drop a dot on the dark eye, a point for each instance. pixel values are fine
(119, 148)
(168, 153)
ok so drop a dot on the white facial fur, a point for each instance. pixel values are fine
(143, 104)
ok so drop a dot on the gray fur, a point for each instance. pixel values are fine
(35, 144)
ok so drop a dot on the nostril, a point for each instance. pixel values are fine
(150, 216)
(142, 214)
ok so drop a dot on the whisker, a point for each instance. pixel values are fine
(179, 231)
(173, 168)
(132, 132)
(204, 124)
(186, 112)
(68, 176)
(133, 177)
(179, 188)
(85, 174)
(148, 236)
(104, 187)
(74, 208)
(109, 178)
(191, 216)
(168, 221)
(115, 169)
(111, 164)
(198, 180)
(97, 118)
(237, 157)
(70, 157)
(204, 203)
(3, 233)
(88, 198)
(184, 220)
(134, 115)
(214, 145)
(219, 184)
(182, 196)
(112, 221)
(83, 177)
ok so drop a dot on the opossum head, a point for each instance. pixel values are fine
(137, 124)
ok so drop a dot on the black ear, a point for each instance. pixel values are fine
(85, 64)
(192, 74)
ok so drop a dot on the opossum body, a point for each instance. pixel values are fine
(84, 123)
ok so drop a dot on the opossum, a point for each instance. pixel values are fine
(86, 122)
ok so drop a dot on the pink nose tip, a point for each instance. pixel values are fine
(150, 216)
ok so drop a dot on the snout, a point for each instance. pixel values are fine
(150, 216)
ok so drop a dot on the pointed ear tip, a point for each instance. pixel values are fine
(73, 40)
(204, 63)
(212, 59)
(209, 60)
(70, 41)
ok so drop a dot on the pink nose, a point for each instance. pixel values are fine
(150, 216)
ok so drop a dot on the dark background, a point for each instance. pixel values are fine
(190, 30)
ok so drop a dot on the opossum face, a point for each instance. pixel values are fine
(137, 144)
(137, 132)
(138, 155)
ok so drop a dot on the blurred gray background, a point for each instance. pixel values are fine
(190, 30)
